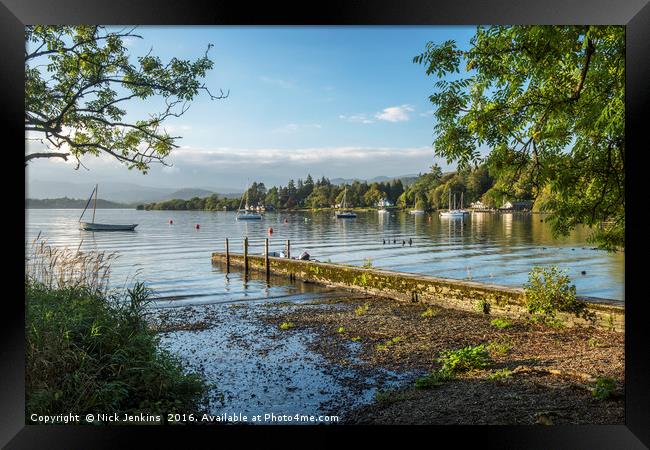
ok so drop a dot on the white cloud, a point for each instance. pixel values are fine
(395, 113)
(357, 118)
(264, 156)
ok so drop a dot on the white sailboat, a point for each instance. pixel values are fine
(92, 226)
(415, 211)
(345, 214)
(453, 213)
(247, 213)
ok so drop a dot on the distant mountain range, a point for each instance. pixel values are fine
(124, 193)
(130, 194)
(72, 203)
(406, 179)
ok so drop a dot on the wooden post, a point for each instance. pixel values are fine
(246, 255)
(288, 248)
(227, 257)
(266, 258)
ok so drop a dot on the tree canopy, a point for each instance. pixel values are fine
(78, 81)
(548, 102)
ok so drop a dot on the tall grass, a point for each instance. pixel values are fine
(90, 350)
(56, 267)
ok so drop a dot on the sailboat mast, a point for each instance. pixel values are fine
(95, 203)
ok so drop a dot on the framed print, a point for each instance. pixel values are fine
(372, 216)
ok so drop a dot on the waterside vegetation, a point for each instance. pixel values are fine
(90, 349)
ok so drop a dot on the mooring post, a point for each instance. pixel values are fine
(288, 248)
(227, 257)
(266, 258)
(246, 255)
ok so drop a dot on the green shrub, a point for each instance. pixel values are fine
(604, 388)
(501, 323)
(430, 312)
(388, 343)
(361, 310)
(500, 347)
(465, 359)
(499, 374)
(434, 379)
(340, 330)
(91, 352)
(482, 306)
(286, 325)
(549, 291)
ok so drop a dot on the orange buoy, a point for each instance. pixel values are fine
(197, 226)
(270, 230)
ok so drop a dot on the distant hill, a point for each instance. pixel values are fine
(127, 193)
(71, 203)
(187, 193)
(406, 179)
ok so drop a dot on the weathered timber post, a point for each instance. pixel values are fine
(246, 255)
(288, 248)
(227, 257)
(266, 259)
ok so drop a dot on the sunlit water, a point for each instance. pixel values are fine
(174, 260)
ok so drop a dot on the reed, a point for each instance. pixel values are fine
(57, 267)
(91, 350)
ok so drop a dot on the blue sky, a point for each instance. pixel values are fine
(332, 101)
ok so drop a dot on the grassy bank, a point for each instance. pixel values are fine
(92, 351)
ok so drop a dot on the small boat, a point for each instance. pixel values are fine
(92, 226)
(454, 213)
(345, 214)
(244, 214)
(415, 211)
(247, 213)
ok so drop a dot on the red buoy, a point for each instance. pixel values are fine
(286, 220)
(171, 222)
(270, 230)
(197, 226)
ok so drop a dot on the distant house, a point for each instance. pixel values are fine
(384, 202)
(525, 205)
(478, 205)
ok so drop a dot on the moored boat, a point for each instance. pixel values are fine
(345, 214)
(246, 213)
(92, 226)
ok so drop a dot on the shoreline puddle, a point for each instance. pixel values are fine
(255, 368)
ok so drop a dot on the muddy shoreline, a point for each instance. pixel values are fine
(359, 358)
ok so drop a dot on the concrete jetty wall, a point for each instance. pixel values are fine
(444, 292)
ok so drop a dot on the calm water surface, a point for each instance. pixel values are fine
(175, 259)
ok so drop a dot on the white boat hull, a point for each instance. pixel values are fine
(89, 226)
(453, 214)
(249, 217)
(416, 212)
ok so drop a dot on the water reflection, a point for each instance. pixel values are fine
(497, 248)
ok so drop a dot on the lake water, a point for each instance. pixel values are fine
(174, 260)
